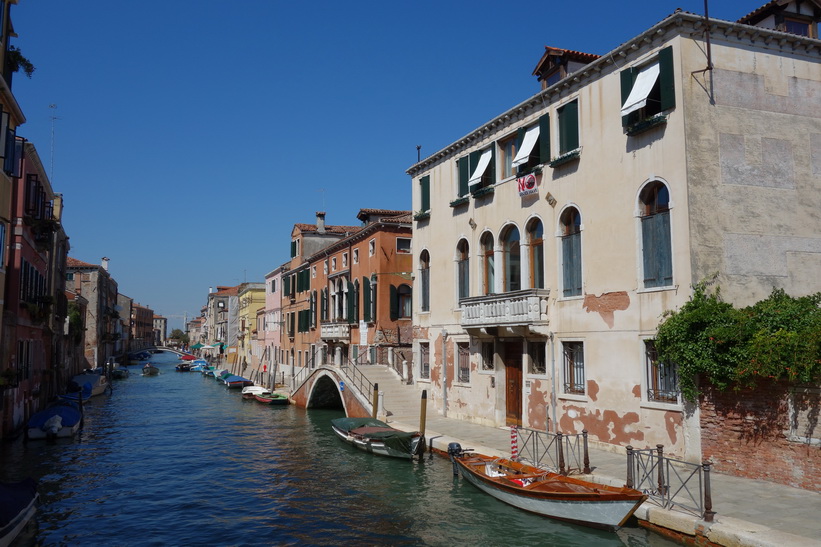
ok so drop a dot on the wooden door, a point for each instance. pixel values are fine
(512, 358)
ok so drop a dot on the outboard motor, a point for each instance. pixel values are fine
(455, 451)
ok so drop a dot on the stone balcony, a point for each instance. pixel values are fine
(335, 331)
(525, 308)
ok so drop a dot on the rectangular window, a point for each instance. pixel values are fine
(662, 378)
(463, 351)
(333, 264)
(507, 151)
(528, 154)
(424, 275)
(356, 256)
(463, 273)
(424, 191)
(371, 247)
(536, 351)
(325, 267)
(568, 127)
(463, 175)
(648, 90)
(273, 285)
(487, 356)
(424, 360)
(344, 260)
(573, 367)
(403, 245)
(483, 172)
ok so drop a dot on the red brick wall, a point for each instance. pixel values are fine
(745, 433)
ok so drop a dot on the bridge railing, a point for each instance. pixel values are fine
(356, 378)
(302, 376)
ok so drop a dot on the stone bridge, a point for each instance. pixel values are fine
(328, 387)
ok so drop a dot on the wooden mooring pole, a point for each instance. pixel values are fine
(375, 400)
(423, 416)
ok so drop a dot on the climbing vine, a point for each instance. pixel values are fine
(775, 339)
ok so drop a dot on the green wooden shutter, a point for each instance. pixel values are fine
(492, 167)
(628, 78)
(424, 186)
(394, 304)
(544, 139)
(569, 127)
(366, 299)
(667, 79)
(293, 249)
(323, 304)
(351, 301)
(648, 242)
(313, 309)
(473, 161)
(463, 166)
(571, 265)
(286, 285)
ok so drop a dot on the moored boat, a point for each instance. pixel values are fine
(95, 378)
(18, 504)
(183, 367)
(272, 399)
(549, 494)
(234, 382)
(119, 373)
(150, 370)
(80, 395)
(60, 420)
(248, 392)
(377, 437)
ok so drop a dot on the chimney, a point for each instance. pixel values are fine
(105, 263)
(210, 290)
(320, 222)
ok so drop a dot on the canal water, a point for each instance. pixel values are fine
(178, 459)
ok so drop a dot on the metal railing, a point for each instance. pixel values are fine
(357, 378)
(670, 483)
(564, 454)
(302, 376)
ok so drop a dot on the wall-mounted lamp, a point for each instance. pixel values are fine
(472, 224)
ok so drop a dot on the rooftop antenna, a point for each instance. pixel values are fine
(53, 117)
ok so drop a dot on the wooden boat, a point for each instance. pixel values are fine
(18, 503)
(61, 420)
(119, 373)
(377, 437)
(272, 399)
(97, 380)
(150, 370)
(80, 396)
(248, 392)
(235, 382)
(183, 367)
(550, 494)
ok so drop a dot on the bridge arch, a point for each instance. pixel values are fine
(326, 388)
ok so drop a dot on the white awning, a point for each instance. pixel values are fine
(527, 146)
(484, 161)
(641, 89)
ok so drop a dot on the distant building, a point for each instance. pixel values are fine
(94, 283)
(160, 330)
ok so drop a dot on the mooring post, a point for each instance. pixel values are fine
(375, 400)
(423, 416)
(560, 448)
(587, 469)
(630, 457)
(660, 451)
(708, 496)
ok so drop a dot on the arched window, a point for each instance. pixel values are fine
(463, 269)
(513, 259)
(571, 223)
(424, 278)
(535, 237)
(657, 256)
(488, 266)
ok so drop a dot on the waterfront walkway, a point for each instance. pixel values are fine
(748, 512)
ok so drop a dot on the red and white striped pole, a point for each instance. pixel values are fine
(514, 444)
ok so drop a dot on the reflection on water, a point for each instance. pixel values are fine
(177, 459)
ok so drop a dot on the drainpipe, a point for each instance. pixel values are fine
(444, 373)
(553, 372)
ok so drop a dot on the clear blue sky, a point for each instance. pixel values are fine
(191, 135)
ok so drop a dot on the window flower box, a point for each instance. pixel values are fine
(486, 191)
(460, 201)
(646, 124)
(421, 215)
(567, 157)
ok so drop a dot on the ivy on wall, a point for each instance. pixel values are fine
(778, 338)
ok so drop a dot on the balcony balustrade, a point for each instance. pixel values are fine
(335, 331)
(517, 308)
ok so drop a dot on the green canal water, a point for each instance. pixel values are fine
(178, 459)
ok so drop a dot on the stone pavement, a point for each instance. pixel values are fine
(748, 512)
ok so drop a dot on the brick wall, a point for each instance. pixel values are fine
(751, 433)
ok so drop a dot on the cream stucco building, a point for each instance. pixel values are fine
(549, 241)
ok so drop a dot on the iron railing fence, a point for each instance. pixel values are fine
(670, 483)
(564, 454)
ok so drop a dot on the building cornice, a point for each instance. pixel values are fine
(680, 23)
